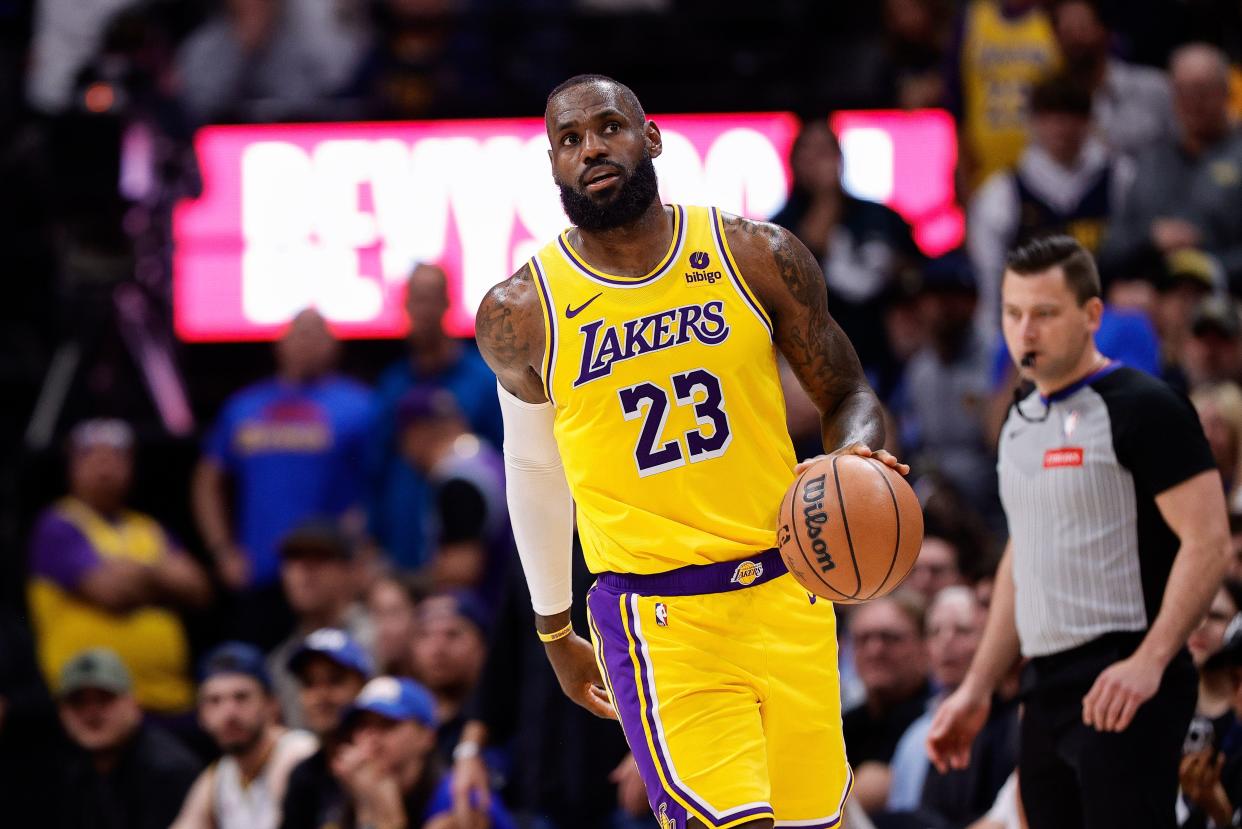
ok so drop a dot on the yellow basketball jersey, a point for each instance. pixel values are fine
(669, 413)
(1001, 58)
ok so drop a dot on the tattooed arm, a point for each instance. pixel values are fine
(509, 331)
(788, 281)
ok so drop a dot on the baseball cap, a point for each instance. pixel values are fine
(236, 658)
(101, 432)
(98, 668)
(1216, 314)
(1194, 266)
(951, 273)
(396, 698)
(458, 603)
(335, 644)
(1230, 653)
(421, 404)
(316, 538)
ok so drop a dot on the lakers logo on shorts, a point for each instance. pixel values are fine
(665, 821)
(747, 572)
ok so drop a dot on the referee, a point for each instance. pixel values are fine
(1118, 541)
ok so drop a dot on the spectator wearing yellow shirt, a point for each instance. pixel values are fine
(102, 575)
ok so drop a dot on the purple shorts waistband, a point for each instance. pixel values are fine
(696, 579)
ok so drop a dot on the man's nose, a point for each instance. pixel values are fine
(594, 146)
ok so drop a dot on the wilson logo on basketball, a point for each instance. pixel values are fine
(813, 513)
(1065, 456)
(747, 572)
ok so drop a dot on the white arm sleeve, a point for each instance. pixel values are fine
(541, 510)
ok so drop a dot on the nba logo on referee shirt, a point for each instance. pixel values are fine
(661, 611)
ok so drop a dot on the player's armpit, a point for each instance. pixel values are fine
(790, 285)
(509, 331)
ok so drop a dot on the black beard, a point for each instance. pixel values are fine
(638, 191)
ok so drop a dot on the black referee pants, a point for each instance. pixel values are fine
(1074, 777)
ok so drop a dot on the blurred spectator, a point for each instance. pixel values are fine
(254, 62)
(861, 245)
(1213, 353)
(1220, 411)
(1189, 278)
(105, 575)
(1211, 780)
(292, 448)
(436, 361)
(331, 669)
(954, 628)
(121, 773)
(943, 402)
(449, 648)
(1186, 188)
(245, 787)
(66, 35)
(1000, 49)
(890, 655)
(390, 605)
(937, 567)
(566, 760)
(320, 581)
(1066, 181)
(428, 62)
(388, 768)
(1132, 105)
(468, 524)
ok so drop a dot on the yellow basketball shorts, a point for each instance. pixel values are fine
(724, 677)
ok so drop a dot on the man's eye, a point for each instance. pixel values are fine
(569, 139)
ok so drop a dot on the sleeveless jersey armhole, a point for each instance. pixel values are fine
(548, 364)
(735, 273)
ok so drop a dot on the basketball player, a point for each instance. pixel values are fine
(638, 350)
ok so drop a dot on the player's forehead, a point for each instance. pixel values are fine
(585, 102)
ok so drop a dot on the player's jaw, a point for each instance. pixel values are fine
(607, 195)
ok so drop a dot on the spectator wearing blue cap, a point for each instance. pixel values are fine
(468, 536)
(331, 669)
(244, 789)
(388, 768)
(319, 574)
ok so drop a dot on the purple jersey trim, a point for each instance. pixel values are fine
(698, 579)
(735, 276)
(59, 552)
(674, 253)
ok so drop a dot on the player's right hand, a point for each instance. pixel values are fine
(573, 659)
(954, 727)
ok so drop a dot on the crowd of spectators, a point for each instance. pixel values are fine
(332, 629)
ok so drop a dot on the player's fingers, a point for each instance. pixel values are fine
(599, 703)
(807, 464)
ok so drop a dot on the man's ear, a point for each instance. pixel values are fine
(655, 141)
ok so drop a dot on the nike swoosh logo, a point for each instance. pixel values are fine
(571, 312)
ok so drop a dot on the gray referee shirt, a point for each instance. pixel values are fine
(1079, 472)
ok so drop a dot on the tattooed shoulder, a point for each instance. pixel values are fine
(770, 253)
(509, 326)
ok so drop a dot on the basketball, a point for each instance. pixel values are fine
(850, 529)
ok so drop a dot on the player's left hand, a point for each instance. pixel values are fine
(1118, 692)
(862, 450)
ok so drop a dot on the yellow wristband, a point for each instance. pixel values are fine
(555, 635)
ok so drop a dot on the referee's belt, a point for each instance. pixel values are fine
(697, 579)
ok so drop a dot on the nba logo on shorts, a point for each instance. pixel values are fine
(746, 573)
(664, 820)
(661, 614)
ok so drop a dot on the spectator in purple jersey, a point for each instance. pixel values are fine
(436, 361)
(467, 523)
(291, 447)
(103, 575)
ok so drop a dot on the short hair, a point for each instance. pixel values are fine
(1061, 94)
(627, 94)
(1047, 252)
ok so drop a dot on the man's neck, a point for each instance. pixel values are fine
(1090, 362)
(106, 507)
(1197, 145)
(630, 250)
(251, 762)
(106, 761)
(433, 353)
